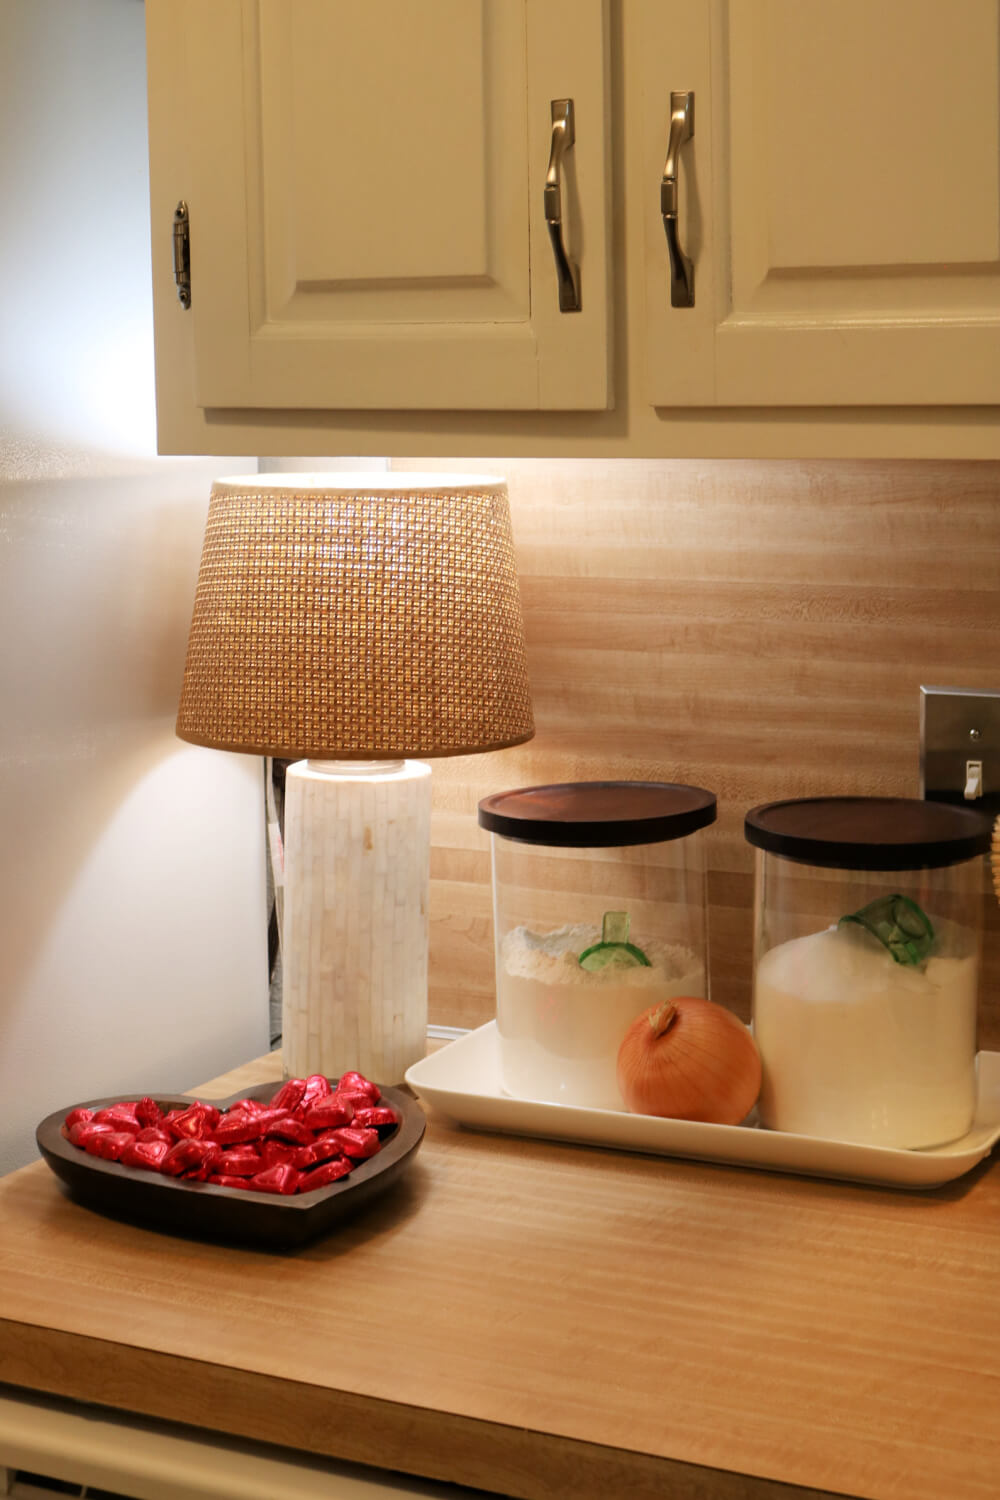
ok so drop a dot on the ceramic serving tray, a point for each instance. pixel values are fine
(462, 1081)
(207, 1208)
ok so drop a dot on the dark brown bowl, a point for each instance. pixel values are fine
(206, 1208)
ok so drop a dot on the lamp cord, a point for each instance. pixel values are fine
(275, 846)
(274, 782)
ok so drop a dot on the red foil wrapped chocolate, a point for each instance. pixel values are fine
(242, 1161)
(277, 1179)
(355, 1098)
(356, 1143)
(291, 1129)
(277, 1153)
(148, 1154)
(196, 1123)
(289, 1096)
(246, 1107)
(236, 1130)
(317, 1087)
(120, 1117)
(308, 1135)
(86, 1131)
(110, 1144)
(330, 1171)
(148, 1112)
(190, 1156)
(357, 1083)
(376, 1117)
(330, 1112)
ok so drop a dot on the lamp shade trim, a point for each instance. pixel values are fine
(293, 752)
(357, 482)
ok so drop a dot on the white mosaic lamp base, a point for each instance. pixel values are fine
(355, 932)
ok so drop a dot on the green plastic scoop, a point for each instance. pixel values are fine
(614, 947)
(899, 924)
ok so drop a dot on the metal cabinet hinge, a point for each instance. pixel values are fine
(182, 253)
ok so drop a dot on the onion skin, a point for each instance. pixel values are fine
(689, 1059)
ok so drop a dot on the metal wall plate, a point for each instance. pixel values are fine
(960, 731)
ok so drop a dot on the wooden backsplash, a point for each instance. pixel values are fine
(758, 628)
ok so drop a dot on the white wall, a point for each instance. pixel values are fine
(132, 924)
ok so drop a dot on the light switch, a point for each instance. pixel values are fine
(973, 780)
(960, 747)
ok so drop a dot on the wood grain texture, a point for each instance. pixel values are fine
(550, 1320)
(432, 1444)
(758, 628)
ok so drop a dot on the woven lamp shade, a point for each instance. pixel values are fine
(368, 617)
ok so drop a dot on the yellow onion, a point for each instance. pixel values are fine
(689, 1059)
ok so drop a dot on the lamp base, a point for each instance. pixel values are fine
(355, 938)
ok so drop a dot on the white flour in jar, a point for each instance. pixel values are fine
(561, 1026)
(856, 1047)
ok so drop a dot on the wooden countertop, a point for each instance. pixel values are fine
(548, 1320)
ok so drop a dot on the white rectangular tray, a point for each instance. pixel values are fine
(462, 1080)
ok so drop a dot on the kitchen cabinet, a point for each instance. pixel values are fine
(370, 197)
(373, 270)
(840, 198)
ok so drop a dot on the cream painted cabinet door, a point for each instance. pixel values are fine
(367, 203)
(839, 199)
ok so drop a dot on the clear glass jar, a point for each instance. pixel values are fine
(600, 910)
(867, 937)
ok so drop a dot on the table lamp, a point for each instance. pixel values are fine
(350, 623)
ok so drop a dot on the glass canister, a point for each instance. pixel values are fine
(867, 937)
(600, 910)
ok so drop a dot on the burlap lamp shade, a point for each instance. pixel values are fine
(356, 619)
(375, 619)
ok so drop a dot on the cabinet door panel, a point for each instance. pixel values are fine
(367, 221)
(377, 195)
(879, 140)
(853, 256)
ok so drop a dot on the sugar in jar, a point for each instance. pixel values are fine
(867, 936)
(599, 903)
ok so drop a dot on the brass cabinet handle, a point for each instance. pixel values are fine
(681, 130)
(563, 136)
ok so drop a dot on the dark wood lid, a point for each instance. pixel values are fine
(598, 814)
(869, 833)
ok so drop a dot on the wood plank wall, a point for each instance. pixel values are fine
(758, 628)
